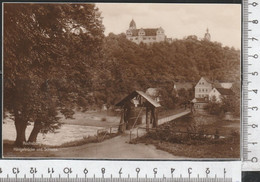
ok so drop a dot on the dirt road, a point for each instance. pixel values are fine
(119, 147)
(114, 148)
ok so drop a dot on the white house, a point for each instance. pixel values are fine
(218, 93)
(203, 88)
(206, 90)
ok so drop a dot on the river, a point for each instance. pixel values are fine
(66, 133)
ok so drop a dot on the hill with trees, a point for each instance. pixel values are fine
(127, 66)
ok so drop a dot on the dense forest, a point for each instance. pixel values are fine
(126, 66)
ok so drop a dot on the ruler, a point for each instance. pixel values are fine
(78, 170)
(251, 86)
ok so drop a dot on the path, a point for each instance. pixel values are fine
(118, 147)
(175, 116)
(114, 148)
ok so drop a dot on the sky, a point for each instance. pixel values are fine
(177, 20)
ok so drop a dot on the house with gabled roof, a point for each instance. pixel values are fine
(206, 90)
(203, 88)
(217, 94)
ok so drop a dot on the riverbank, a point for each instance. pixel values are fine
(162, 143)
(92, 147)
(84, 125)
(197, 136)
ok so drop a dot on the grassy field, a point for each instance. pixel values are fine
(215, 138)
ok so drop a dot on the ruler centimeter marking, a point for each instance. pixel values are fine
(244, 81)
(119, 171)
(198, 179)
(250, 88)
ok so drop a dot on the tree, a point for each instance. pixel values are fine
(214, 107)
(128, 66)
(48, 50)
(230, 103)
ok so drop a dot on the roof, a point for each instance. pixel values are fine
(153, 92)
(207, 79)
(224, 91)
(132, 23)
(185, 85)
(217, 85)
(141, 93)
(199, 100)
(220, 84)
(148, 31)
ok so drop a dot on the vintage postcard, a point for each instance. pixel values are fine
(121, 80)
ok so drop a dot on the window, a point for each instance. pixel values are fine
(141, 33)
(199, 90)
(129, 33)
(206, 90)
(202, 90)
(202, 83)
(136, 38)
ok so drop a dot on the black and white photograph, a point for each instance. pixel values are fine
(121, 81)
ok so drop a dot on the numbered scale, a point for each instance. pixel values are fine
(117, 171)
(251, 86)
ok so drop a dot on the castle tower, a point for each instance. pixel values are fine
(132, 25)
(207, 36)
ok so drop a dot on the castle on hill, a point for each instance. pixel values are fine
(151, 35)
(145, 35)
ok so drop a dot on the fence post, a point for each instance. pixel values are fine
(130, 135)
(97, 135)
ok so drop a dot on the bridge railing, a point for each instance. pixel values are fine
(102, 133)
